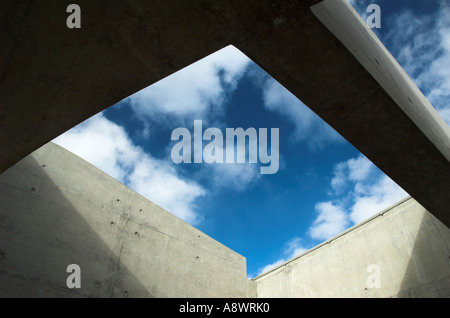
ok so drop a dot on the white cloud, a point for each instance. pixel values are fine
(234, 175)
(238, 176)
(268, 267)
(355, 169)
(159, 182)
(332, 220)
(292, 248)
(339, 180)
(359, 168)
(373, 198)
(308, 126)
(423, 50)
(107, 146)
(103, 144)
(360, 190)
(195, 89)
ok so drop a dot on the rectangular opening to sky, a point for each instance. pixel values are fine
(225, 147)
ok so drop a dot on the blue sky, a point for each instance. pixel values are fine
(323, 185)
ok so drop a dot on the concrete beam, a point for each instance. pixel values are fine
(52, 77)
(404, 135)
(340, 18)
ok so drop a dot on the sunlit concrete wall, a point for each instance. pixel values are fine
(402, 252)
(56, 209)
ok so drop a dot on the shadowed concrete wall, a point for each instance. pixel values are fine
(408, 244)
(56, 209)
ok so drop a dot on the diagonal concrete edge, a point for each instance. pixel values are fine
(339, 17)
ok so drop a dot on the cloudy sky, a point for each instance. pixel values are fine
(323, 185)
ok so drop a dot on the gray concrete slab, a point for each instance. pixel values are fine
(52, 77)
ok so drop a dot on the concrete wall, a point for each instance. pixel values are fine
(56, 210)
(409, 245)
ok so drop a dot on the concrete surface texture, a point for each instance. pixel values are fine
(405, 247)
(56, 210)
(53, 77)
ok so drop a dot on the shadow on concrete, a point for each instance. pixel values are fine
(428, 271)
(41, 233)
